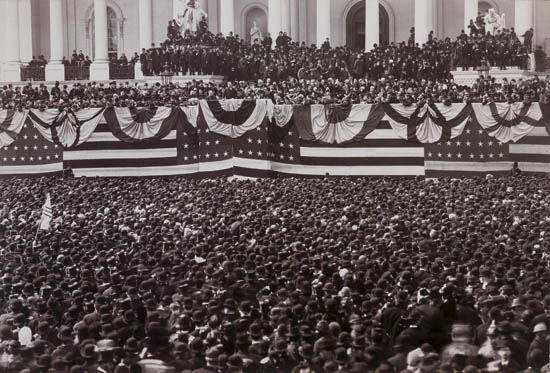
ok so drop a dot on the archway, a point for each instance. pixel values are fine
(115, 32)
(355, 26)
(251, 15)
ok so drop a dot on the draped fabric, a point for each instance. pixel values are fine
(282, 114)
(508, 122)
(137, 125)
(545, 109)
(11, 123)
(429, 123)
(188, 121)
(191, 114)
(66, 128)
(244, 116)
(337, 123)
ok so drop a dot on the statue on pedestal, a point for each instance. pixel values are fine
(255, 33)
(188, 15)
(494, 22)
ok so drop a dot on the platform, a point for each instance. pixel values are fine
(184, 79)
(468, 78)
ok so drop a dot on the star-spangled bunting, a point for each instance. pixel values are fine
(31, 153)
(474, 153)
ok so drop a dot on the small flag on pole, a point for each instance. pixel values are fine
(46, 214)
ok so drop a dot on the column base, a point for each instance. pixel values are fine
(138, 74)
(11, 72)
(55, 72)
(99, 71)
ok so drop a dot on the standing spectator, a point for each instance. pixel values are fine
(528, 39)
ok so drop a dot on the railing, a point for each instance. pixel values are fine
(77, 72)
(33, 74)
(121, 72)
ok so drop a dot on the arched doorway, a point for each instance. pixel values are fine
(115, 27)
(258, 15)
(355, 26)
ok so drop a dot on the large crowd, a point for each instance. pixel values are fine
(205, 53)
(288, 72)
(292, 91)
(276, 275)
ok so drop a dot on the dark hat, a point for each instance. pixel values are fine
(235, 362)
(88, 351)
(44, 361)
(131, 345)
(65, 334)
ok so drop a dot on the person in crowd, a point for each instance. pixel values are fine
(135, 275)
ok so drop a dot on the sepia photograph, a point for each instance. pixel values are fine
(274, 186)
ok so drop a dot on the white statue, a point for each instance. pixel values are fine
(255, 33)
(494, 22)
(188, 15)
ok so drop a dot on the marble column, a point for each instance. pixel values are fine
(227, 17)
(295, 20)
(203, 4)
(471, 8)
(285, 16)
(323, 21)
(424, 20)
(145, 24)
(524, 16)
(99, 70)
(274, 25)
(25, 31)
(372, 24)
(55, 71)
(213, 16)
(12, 67)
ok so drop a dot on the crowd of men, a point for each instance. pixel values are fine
(292, 91)
(276, 275)
(205, 53)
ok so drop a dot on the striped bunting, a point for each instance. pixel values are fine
(474, 153)
(532, 152)
(11, 123)
(105, 155)
(381, 153)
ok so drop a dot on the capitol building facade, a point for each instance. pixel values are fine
(56, 28)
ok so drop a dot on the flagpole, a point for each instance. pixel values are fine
(36, 235)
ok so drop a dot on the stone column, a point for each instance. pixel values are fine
(274, 19)
(213, 16)
(203, 4)
(145, 24)
(285, 16)
(424, 20)
(524, 17)
(25, 31)
(55, 69)
(323, 21)
(227, 16)
(295, 20)
(471, 8)
(99, 70)
(12, 68)
(372, 24)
